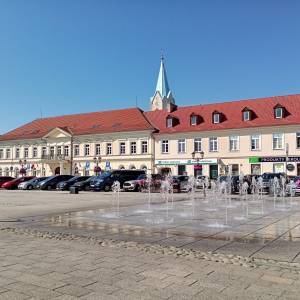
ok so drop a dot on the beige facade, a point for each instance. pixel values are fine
(230, 149)
(52, 154)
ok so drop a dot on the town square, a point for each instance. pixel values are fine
(149, 150)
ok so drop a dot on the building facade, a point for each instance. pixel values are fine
(249, 136)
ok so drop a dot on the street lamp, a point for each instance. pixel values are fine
(97, 169)
(197, 158)
(286, 157)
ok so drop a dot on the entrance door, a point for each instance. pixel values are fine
(181, 169)
(298, 169)
(57, 171)
(213, 171)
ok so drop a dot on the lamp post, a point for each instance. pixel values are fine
(286, 156)
(97, 169)
(197, 158)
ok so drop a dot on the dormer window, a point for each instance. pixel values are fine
(194, 120)
(278, 112)
(216, 117)
(169, 122)
(246, 115)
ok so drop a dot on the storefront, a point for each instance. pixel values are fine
(276, 164)
(189, 166)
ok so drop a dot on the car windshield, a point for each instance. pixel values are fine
(104, 175)
(73, 179)
(142, 176)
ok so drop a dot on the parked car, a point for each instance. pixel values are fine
(13, 184)
(267, 179)
(51, 182)
(199, 181)
(134, 185)
(4, 179)
(30, 184)
(106, 179)
(84, 185)
(235, 183)
(65, 185)
(180, 183)
(155, 183)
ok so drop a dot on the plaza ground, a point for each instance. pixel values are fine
(50, 250)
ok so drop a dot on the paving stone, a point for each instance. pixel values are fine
(73, 290)
(13, 296)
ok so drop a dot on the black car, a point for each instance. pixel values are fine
(106, 179)
(51, 182)
(65, 185)
(235, 183)
(180, 183)
(268, 178)
(84, 185)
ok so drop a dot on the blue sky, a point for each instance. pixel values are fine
(70, 56)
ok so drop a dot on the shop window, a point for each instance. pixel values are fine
(182, 170)
(235, 169)
(278, 168)
(256, 169)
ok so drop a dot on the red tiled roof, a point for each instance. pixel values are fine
(232, 111)
(131, 119)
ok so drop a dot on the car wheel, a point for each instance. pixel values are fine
(106, 188)
(30, 187)
(49, 187)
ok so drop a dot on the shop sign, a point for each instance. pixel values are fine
(279, 159)
(272, 159)
(197, 167)
(175, 162)
(107, 165)
(254, 160)
(290, 167)
(87, 165)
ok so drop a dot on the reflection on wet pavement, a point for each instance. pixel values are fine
(192, 224)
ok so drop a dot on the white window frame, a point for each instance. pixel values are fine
(216, 118)
(97, 149)
(236, 139)
(17, 153)
(76, 150)
(165, 146)
(198, 141)
(181, 146)
(297, 136)
(279, 109)
(34, 152)
(144, 147)
(169, 122)
(246, 115)
(1, 153)
(59, 150)
(108, 148)
(133, 147)
(87, 150)
(66, 150)
(213, 141)
(259, 142)
(26, 152)
(273, 141)
(8, 153)
(194, 119)
(122, 147)
(52, 151)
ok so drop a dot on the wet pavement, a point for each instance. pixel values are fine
(259, 228)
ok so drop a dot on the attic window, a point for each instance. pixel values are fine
(216, 117)
(169, 122)
(246, 114)
(278, 112)
(194, 119)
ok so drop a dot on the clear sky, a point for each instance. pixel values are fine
(71, 56)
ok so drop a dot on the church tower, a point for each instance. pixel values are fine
(163, 98)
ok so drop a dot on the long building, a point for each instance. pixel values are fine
(249, 136)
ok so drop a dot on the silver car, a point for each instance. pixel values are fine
(31, 184)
